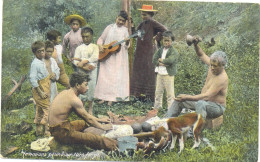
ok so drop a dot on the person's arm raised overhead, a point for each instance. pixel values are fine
(202, 55)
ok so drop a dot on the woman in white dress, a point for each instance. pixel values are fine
(113, 76)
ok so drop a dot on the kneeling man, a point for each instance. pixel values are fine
(211, 101)
(68, 132)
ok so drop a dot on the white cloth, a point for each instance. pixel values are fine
(58, 48)
(88, 52)
(113, 77)
(42, 144)
(120, 131)
(156, 123)
(162, 69)
(55, 69)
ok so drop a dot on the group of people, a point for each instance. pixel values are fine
(153, 72)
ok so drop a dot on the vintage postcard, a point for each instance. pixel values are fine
(123, 80)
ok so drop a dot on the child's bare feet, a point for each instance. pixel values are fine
(109, 103)
(39, 130)
(47, 134)
(100, 102)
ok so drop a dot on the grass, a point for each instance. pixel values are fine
(228, 147)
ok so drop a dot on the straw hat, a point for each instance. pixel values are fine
(78, 17)
(148, 8)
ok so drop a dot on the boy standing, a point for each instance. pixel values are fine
(55, 37)
(86, 58)
(52, 68)
(165, 60)
(73, 38)
(41, 83)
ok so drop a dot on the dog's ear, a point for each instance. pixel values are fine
(159, 133)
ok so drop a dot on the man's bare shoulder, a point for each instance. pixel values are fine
(76, 102)
(67, 95)
(223, 76)
(70, 98)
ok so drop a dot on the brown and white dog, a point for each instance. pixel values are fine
(175, 127)
(179, 127)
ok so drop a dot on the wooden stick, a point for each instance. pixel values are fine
(16, 85)
(144, 135)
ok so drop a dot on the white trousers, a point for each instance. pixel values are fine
(164, 82)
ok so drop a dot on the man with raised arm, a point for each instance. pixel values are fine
(68, 132)
(211, 101)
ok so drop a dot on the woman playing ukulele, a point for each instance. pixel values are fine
(113, 76)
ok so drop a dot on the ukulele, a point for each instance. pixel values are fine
(114, 46)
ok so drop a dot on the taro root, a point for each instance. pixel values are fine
(137, 128)
(192, 39)
(147, 127)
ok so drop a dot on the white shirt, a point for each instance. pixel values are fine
(59, 53)
(87, 52)
(38, 71)
(162, 69)
(56, 70)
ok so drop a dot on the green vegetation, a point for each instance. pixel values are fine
(234, 27)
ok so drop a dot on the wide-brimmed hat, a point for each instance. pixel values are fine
(77, 17)
(148, 8)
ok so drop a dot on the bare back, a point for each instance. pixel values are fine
(62, 106)
(216, 86)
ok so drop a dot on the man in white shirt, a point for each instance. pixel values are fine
(86, 58)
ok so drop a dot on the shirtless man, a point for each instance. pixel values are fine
(71, 132)
(211, 101)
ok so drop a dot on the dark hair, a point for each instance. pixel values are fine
(80, 23)
(150, 13)
(123, 14)
(78, 78)
(86, 30)
(37, 45)
(168, 34)
(49, 44)
(53, 35)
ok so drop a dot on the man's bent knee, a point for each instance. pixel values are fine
(174, 110)
(201, 108)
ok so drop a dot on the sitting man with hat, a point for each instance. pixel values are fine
(73, 38)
